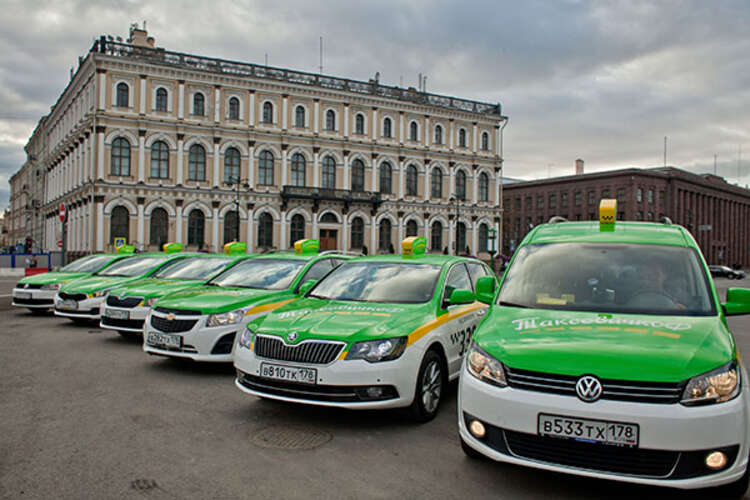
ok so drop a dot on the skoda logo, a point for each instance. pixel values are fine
(588, 388)
(170, 317)
(292, 337)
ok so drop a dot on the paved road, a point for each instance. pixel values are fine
(86, 414)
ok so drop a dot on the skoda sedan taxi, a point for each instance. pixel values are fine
(606, 353)
(385, 331)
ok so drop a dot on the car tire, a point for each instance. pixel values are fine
(429, 388)
(733, 490)
(471, 452)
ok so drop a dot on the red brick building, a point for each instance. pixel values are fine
(715, 212)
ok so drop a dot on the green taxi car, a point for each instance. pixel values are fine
(37, 293)
(386, 331)
(201, 323)
(606, 353)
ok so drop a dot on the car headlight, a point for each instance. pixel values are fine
(227, 318)
(149, 302)
(716, 386)
(51, 286)
(100, 293)
(374, 351)
(246, 339)
(485, 367)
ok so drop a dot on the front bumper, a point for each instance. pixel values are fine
(196, 341)
(89, 308)
(671, 432)
(34, 298)
(134, 323)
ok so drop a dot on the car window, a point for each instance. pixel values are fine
(87, 264)
(132, 266)
(194, 268)
(458, 278)
(476, 270)
(318, 270)
(265, 274)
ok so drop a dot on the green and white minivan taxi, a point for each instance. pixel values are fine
(81, 300)
(37, 292)
(201, 323)
(385, 331)
(127, 306)
(606, 353)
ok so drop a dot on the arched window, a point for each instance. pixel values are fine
(484, 187)
(232, 166)
(436, 236)
(436, 183)
(161, 99)
(265, 230)
(462, 138)
(329, 218)
(297, 231)
(196, 163)
(265, 168)
(196, 227)
(413, 131)
(358, 233)
(234, 108)
(359, 124)
(267, 112)
(329, 173)
(199, 104)
(119, 223)
(158, 227)
(411, 180)
(411, 228)
(438, 134)
(330, 120)
(483, 233)
(123, 95)
(231, 226)
(461, 185)
(461, 238)
(385, 177)
(299, 117)
(485, 141)
(384, 236)
(120, 157)
(387, 125)
(298, 170)
(159, 160)
(358, 175)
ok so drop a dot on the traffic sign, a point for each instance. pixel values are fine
(120, 242)
(59, 243)
(63, 213)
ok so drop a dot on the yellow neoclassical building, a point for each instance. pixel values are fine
(153, 146)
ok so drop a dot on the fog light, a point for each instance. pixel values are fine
(375, 392)
(477, 428)
(716, 460)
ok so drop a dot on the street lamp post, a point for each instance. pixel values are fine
(236, 183)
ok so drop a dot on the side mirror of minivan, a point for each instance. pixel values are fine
(738, 301)
(306, 286)
(485, 289)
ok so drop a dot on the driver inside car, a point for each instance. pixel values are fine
(656, 288)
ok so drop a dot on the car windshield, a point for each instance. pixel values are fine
(615, 278)
(88, 264)
(266, 274)
(379, 282)
(132, 266)
(195, 268)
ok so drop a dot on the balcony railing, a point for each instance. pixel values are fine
(327, 194)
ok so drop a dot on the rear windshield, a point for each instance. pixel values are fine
(195, 268)
(266, 274)
(132, 266)
(643, 279)
(88, 264)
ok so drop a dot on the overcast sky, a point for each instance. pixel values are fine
(603, 81)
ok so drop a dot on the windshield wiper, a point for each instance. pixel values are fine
(511, 304)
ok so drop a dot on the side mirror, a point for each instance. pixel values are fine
(738, 301)
(486, 289)
(306, 286)
(459, 296)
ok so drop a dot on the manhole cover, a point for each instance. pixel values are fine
(290, 438)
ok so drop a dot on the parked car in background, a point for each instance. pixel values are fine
(726, 272)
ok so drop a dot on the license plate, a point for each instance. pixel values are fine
(593, 431)
(23, 295)
(289, 373)
(116, 314)
(71, 305)
(159, 339)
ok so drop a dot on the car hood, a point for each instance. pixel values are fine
(51, 277)
(153, 287)
(610, 346)
(214, 300)
(95, 284)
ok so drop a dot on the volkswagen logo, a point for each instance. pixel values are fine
(588, 388)
(170, 317)
(292, 337)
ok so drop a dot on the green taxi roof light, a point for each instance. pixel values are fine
(607, 214)
(172, 247)
(306, 247)
(413, 246)
(235, 248)
(126, 249)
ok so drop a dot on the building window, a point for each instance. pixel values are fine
(605, 193)
(196, 163)
(387, 125)
(158, 227)
(299, 117)
(485, 141)
(436, 236)
(232, 166)
(265, 168)
(384, 236)
(120, 157)
(330, 120)
(461, 238)
(462, 138)
(540, 201)
(639, 196)
(650, 216)
(662, 196)
(329, 218)
(484, 187)
(159, 160)
(518, 203)
(461, 185)
(411, 228)
(438, 134)
(123, 95)
(639, 215)
(265, 230)
(298, 170)
(552, 201)
(578, 198)
(234, 108)
(385, 178)
(563, 200)
(620, 215)
(436, 183)
(358, 233)
(297, 229)
(267, 112)
(161, 99)
(411, 180)
(231, 226)
(196, 227)
(650, 195)
(413, 132)
(359, 124)
(592, 197)
(529, 202)
(329, 173)
(483, 238)
(358, 175)
(621, 195)
(199, 105)
(119, 223)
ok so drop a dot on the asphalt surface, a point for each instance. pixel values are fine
(85, 413)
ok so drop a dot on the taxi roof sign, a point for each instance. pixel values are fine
(413, 246)
(235, 248)
(306, 247)
(607, 214)
(125, 249)
(173, 247)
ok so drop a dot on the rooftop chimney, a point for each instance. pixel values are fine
(579, 166)
(139, 36)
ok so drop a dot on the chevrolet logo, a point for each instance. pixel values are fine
(170, 317)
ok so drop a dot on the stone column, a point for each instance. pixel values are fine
(99, 206)
(102, 104)
(141, 223)
(283, 165)
(474, 184)
(251, 168)
(373, 241)
(142, 96)
(346, 170)
(315, 225)
(284, 113)
(100, 152)
(344, 232)
(251, 113)
(375, 124)
(474, 138)
(374, 175)
(451, 180)
(400, 231)
(316, 168)
(217, 158)
(141, 156)
(451, 233)
(215, 226)
(217, 103)
(401, 177)
(250, 242)
(316, 116)
(346, 120)
(282, 231)
(426, 131)
(401, 127)
(181, 99)
(178, 221)
(451, 134)
(475, 237)
(180, 158)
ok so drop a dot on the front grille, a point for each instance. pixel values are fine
(224, 344)
(122, 323)
(28, 286)
(33, 302)
(334, 393)
(94, 311)
(173, 326)
(178, 312)
(72, 296)
(619, 390)
(319, 352)
(127, 302)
